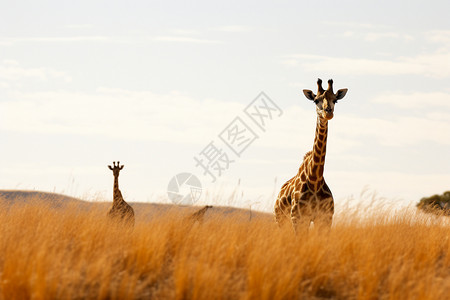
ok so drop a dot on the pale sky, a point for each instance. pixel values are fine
(152, 84)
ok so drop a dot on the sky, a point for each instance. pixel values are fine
(162, 85)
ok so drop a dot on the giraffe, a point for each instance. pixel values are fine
(306, 197)
(199, 215)
(120, 210)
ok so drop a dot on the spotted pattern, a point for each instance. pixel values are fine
(120, 210)
(306, 197)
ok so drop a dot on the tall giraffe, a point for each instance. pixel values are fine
(306, 197)
(120, 210)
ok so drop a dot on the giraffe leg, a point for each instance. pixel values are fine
(325, 215)
(300, 221)
(280, 218)
(280, 212)
(324, 220)
(302, 211)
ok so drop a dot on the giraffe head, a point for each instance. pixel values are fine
(325, 99)
(116, 168)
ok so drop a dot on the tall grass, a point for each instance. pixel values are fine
(76, 253)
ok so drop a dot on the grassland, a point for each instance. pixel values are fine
(73, 252)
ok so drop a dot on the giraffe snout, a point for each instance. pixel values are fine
(328, 113)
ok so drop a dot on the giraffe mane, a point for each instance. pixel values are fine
(307, 154)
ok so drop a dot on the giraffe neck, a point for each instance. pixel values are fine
(117, 194)
(315, 166)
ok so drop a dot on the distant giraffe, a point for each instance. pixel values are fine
(306, 197)
(199, 215)
(120, 210)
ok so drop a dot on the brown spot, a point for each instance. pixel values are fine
(303, 177)
(289, 190)
(304, 188)
(305, 196)
(282, 203)
(322, 194)
(317, 149)
(289, 200)
(320, 144)
(326, 188)
(316, 159)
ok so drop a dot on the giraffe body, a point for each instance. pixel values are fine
(306, 197)
(199, 215)
(120, 210)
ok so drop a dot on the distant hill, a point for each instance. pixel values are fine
(22, 196)
(142, 209)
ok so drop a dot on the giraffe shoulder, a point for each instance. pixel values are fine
(287, 183)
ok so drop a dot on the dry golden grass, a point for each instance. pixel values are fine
(73, 253)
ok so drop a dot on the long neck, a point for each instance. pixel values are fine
(316, 163)
(117, 194)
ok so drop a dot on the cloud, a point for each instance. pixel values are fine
(79, 26)
(179, 118)
(11, 70)
(116, 113)
(183, 31)
(397, 132)
(375, 36)
(232, 28)
(185, 39)
(62, 39)
(406, 187)
(435, 65)
(356, 24)
(352, 131)
(440, 101)
(179, 38)
(370, 32)
(439, 36)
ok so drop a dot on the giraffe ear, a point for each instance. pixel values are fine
(110, 168)
(121, 167)
(309, 94)
(341, 93)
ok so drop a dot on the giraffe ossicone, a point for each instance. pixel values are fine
(306, 198)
